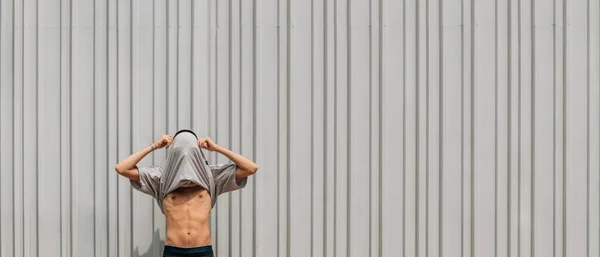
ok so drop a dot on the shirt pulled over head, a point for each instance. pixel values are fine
(186, 166)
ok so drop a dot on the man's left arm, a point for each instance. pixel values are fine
(245, 167)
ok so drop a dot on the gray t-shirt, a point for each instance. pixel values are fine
(185, 164)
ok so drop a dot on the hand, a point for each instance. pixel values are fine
(208, 144)
(163, 141)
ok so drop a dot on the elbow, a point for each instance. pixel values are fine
(250, 170)
(119, 169)
(253, 169)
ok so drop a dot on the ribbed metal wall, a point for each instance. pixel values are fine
(381, 127)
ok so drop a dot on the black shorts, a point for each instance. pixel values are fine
(200, 251)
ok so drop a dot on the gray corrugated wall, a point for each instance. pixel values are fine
(381, 127)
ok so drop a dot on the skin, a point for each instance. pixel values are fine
(186, 210)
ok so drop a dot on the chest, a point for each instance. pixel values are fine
(185, 200)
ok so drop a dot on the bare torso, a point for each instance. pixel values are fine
(187, 210)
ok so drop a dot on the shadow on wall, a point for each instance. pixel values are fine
(156, 247)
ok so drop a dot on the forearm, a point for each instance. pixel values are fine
(131, 161)
(241, 161)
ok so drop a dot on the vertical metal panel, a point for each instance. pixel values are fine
(393, 113)
(594, 128)
(247, 124)
(49, 113)
(318, 153)
(381, 128)
(543, 143)
(359, 103)
(452, 127)
(8, 109)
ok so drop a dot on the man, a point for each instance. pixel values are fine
(186, 187)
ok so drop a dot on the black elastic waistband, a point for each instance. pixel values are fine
(199, 251)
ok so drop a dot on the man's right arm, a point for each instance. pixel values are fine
(127, 167)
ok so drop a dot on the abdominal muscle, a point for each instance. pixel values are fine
(187, 210)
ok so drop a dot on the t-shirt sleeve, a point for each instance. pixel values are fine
(149, 180)
(225, 181)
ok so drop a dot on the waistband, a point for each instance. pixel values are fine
(196, 251)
